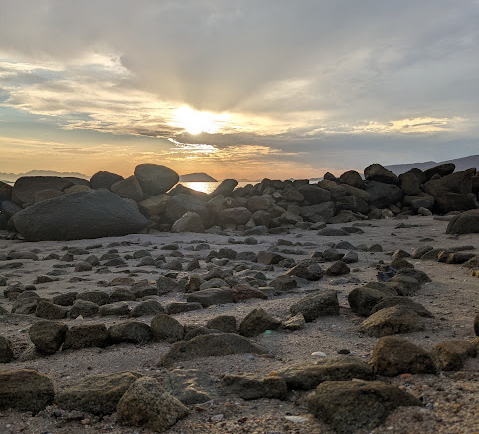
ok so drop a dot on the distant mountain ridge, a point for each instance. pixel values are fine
(15, 176)
(460, 163)
(197, 177)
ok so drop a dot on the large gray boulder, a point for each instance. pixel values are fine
(104, 179)
(382, 195)
(92, 214)
(155, 179)
(464, 223)
(25, 187)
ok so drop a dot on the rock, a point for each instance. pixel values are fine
(161, 411)
(318, 213)
(337, 269)
(181, 306)
(464, 223)
(25, 187)
(410, 182)
(9, 209)
(154, 205)
(314, 195)
(312, 272)
(166, 328)
(441, 170)
(349, 406)
(269, 258)
(451, 355)
(392, 320)
(332, 232)
(216, 344)
(259, 203)
(306, 377)
(104, 179)
(166, 285)
(236, 216)
(98, 297)
(382, 195)
(283, 283)
(46, 194)
(296, 322)
(211, 296)
(223, 323)
(77, 188)
(26, 306)
(48, 336)
(5, 191)
(363, 299)
(320, 303)
(25, 390)
(353, 178)
(191, 386)
(476, 325)
(128, 188)
(147, 307)
(130, 331)
(83, 266)
(447, 202)
(256, 322)
(243, 292)
(189, 222)
(85, 336)
(121, 294)
(155, 179)
(177, 206)
(405, 301)
(6, 350)
(92, 214)
(225, 188)
(393, 355)
(253, 386)
(119, 308)
(376, 172)
(84, 308)
(48, 310)
(97, 394)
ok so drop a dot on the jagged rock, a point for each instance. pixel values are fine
(92, 214)
(464, 223)
(392, 320)
(6, 350)
(155, 179)
(25, 390)
(349, 406)
(393, 355)
(451, 355)
(130, 331)
(128, 188)
(166, 328)
(86, 335)
(166, 285)
(162, 411)
(296, 322)
(337, 269)
(191, 386)
(48, 310)
(256, 322)
(253, 386)
(104, 179)
(48, 336)
(306, 377)
(441, 170)
(216, 344)
(97, 394)
(321, 303)
(283, 283)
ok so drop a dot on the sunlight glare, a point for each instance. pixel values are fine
(195, 122)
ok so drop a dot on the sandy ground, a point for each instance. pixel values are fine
(451, 400)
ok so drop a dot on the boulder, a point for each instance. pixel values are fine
(253, 386)
(25, 187)
(153, 205)
(451, 355)
(237, 216)
(146, 403)
(97, 394)
(166, 328)
(464, 223)
(458, 182)
(318, 213)
(48, 310)
(447, 202)
(215, 344)
(92, 214)
(130, 331)
(363, 299)
(410, 183)
(6, 350)
(476, 324)
(225, 188)
(86, 335)
(191, 386)
(320, 303)
(84, 308)
(155, 179)
(128, 188)
(178, 205)
(189, 222)
(5, 191)
(256, 322)
(382, 195)
(211, 296)
(353, 178)
(376, 172)
(104, 179)
(349, 406)
(48, 336)
(46, 194)
(392, 320)
(314, 195)
(391, 301)
(441, 170)
(147, 307)
(223, 323)
(25, 390)
(393, 355)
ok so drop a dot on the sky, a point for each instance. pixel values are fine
(241, 89)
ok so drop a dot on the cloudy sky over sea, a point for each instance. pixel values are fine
(237, 88)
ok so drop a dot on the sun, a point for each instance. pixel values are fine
(196, 122)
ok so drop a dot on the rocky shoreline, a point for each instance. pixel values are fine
(350, 306)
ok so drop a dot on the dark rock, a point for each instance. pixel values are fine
(48, 336)
(337, 269)
(441, 170)
(392, 320)
(363, 299)
(314, 195)
(253, 386)
(332, 232)
(321, 303)
(318, 213)
(382, 195)
(476, 324)
(447, 202)
(166, 285)
(243, 292)
(464, 223)
(236, 216)
(147, 307)
(349, 406)
(177, 206)
(189, 222)
(6, 350)
(97, 394)
(104, 179)
(98, 297)
(86, 335)
(48, 310)
(225, 188)
(191, 386)
(118, 308)
(376, 172)
(9, 209)
(216, 344)
(155, 179)
(128, 188)
(166, 328)
(306, 377)
(92, 214)
(353, 178)
(181, 306)
(296, 322)
(256, 322)
(84, 308)
(25, 187)
(5, 191)
(223, 323)
(393, 355)
(451, 355)
(311, 273)
(25, 390)
(26, 306)
(121, 294)
(130, 331)
(212, 296)
(269, 258)
(162, 411)
(398, 300)
(410, 183)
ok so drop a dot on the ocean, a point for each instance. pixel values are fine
(209, 187)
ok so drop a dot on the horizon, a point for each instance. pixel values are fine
(240, 90)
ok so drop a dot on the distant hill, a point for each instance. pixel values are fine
(14, 176)
(197, 177)
(461, 164)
